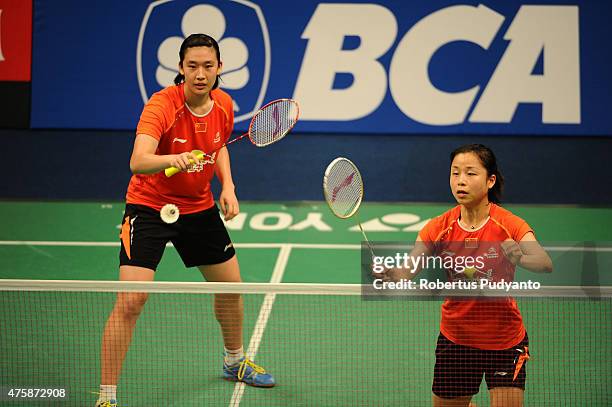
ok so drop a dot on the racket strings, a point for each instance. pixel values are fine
(344, 189)
(273, 122)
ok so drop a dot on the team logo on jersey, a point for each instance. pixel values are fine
(491, 253)
(196, 167)
(240, 28)
(217, 137)
(208, 159)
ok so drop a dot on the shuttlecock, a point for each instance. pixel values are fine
(169, 213)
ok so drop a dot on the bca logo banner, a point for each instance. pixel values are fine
(424, 57)
(238, 25)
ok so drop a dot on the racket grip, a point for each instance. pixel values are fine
(170, 171)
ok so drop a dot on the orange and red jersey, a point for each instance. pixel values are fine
(487, 323)
(167, 118)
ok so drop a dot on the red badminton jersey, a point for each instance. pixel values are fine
(484, 323)
(167, 118)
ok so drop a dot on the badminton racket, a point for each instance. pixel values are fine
(269, 125)
(343, 190)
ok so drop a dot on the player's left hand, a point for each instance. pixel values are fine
(229, 203)
(512, 251)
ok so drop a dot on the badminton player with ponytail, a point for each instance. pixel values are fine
(479, 337)
(192, 115)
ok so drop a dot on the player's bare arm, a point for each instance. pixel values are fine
(528, 254)
(227, 199)
(145, 161)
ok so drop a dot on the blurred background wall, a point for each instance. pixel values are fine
(393, 85)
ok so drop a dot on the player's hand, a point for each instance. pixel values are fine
(229, 203)
(184, 160)
(391, 274)
(512, 251)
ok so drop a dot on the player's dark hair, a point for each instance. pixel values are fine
(488, 160)
(197, 40)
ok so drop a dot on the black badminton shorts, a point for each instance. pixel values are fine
(199, 238)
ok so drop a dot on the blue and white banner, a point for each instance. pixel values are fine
(435, 66)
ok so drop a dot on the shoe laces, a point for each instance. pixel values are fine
(243, 367)
(106, 403)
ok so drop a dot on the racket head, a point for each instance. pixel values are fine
(273, 122)
(343, 187)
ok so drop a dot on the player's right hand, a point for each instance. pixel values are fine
(392, 274)
(184, 160)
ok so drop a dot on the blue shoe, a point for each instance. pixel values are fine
(249, 373)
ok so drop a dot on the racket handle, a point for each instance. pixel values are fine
(366, 240)
(170, 171)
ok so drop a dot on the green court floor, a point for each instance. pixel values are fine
(324, 350)
(80, 240)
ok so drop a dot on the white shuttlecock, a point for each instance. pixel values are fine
(169, 213)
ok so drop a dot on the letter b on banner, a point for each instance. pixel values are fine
(376, 28)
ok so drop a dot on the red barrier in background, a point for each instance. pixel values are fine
(15, 40)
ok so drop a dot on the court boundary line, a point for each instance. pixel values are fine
(334, 246)
(262, 319)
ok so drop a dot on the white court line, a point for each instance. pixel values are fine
(237, 245)
(334, 246)
(262, 319)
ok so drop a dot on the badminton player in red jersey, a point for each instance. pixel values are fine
(479, 336)
(193, 114)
